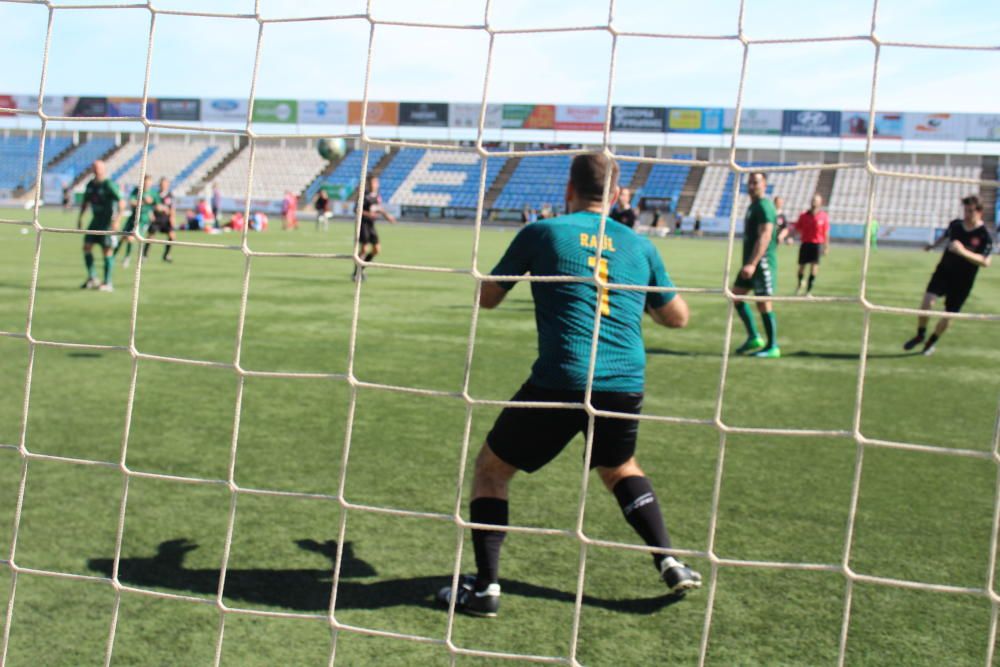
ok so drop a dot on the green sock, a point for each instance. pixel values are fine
(88, 260)
(771, 327)
(109, 263)
(743, 310)
(128, 249)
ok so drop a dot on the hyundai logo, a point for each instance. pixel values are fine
(813, 118)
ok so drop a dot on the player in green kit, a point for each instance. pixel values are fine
(526, 438)
(759, 271)
(141, 215)
(102, 197)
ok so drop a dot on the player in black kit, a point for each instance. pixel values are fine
(969, 247)
(163, 219)
(368, 237)
(623, 211)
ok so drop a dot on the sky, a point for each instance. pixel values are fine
(104, 52)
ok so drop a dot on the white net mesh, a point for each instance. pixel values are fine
(585, 541)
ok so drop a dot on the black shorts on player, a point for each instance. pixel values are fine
(529, 438)
(954, 289)
(160, 227)
(809, 253)
(367, 233)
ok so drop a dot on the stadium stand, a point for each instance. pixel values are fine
(347, 173)
(397, 170)
(19, 158)
(278, 167)
(666, 181)
(538, 180)
(716, 196)
(81, 157)
(446, 178)
(178, 158)
(902, 201)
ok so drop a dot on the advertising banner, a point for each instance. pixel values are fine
(753, 121)
(52, 105)
(580, 118)
(982, 127)
(639, 119)
(467, 115)
(424, 114)
(130, 107)
(888, 125)
(323, 112)
(175, 108)
(934, 126)
(225, 110)
(7, 102)
(379, 113)
(275, 111)
(811, 123)
(529, 116)
(694, 120)
(91, 107)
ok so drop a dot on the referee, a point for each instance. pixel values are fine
(968, 247)
(528, 438)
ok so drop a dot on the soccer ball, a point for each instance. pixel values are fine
(331, 149)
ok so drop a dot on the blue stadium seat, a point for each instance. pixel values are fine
(19, 158)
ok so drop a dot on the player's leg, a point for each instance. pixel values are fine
(171, 236)
(753, 341)
(150, 233)
(376, 248)
(813, 272)
(88, 261)
(109, 264)
(763, 285)
(926, 304)
(802, 279)
(953, 302)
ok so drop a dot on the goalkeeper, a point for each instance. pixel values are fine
(529, 438)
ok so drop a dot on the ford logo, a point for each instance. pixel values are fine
(225, 105)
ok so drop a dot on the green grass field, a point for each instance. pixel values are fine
(922, 516)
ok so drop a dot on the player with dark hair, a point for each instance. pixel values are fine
(104, 199)
(813, 230)
(759, 271)
(968, 247)
(623, 210)
(529, 438)
(368, 241)
(163, 219)
(784, 229)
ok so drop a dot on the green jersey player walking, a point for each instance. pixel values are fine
(759, 271)
(102, 197)
(528, 438)
(141, 216)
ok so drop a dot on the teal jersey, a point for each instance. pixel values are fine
(760, 213)
(564, 312)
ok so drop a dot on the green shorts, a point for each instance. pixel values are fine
(763, 280)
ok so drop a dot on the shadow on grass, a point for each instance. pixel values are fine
(309, 589)
(850, 356)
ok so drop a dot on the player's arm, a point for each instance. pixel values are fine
(83, 209)
(826, 234)
(668, 309)
(759, 250)
(938, 242)
(385, 214)
(491, 294)
(969, 256)
(674, 314)
(119, 210)
(516, 261)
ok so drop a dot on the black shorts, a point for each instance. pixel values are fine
(368, 233)
(160, 227)
(528, 438)
(809, 253)
(955, 290)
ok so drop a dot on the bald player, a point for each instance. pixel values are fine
(103, 198)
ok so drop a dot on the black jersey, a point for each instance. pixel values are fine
(626, 216)
(321, 202)
(782, 221)
(372, 203)
(977, 240)
(163, 216)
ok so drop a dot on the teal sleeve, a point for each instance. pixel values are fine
(658, 277)
(516, 261)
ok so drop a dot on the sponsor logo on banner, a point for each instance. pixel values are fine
(91, 107)
(639, 119)
(811, 123)
(529, 116)
(130, 107)
(854, 125)
(467, 115)
(579, 117)
(753, 121)
(328, 112)
(934, 126)
(695, 120)
(51, 105)
(275, 111)
(7, 102)
(379, 113)
(425, 114)
(227, 110)
(183, 109)
(983, 127)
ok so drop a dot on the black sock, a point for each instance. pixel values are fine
(812, 279)
(369, 257)
(145, 250)
(487, 543)
(921, 332)
(933, 339)
(642, 510)
(166, 250)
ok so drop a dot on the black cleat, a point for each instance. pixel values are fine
(470, 601)
(678, 577)
(913, 342)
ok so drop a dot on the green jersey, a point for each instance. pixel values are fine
(103, 197)
(150, 199)
(760, 213)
